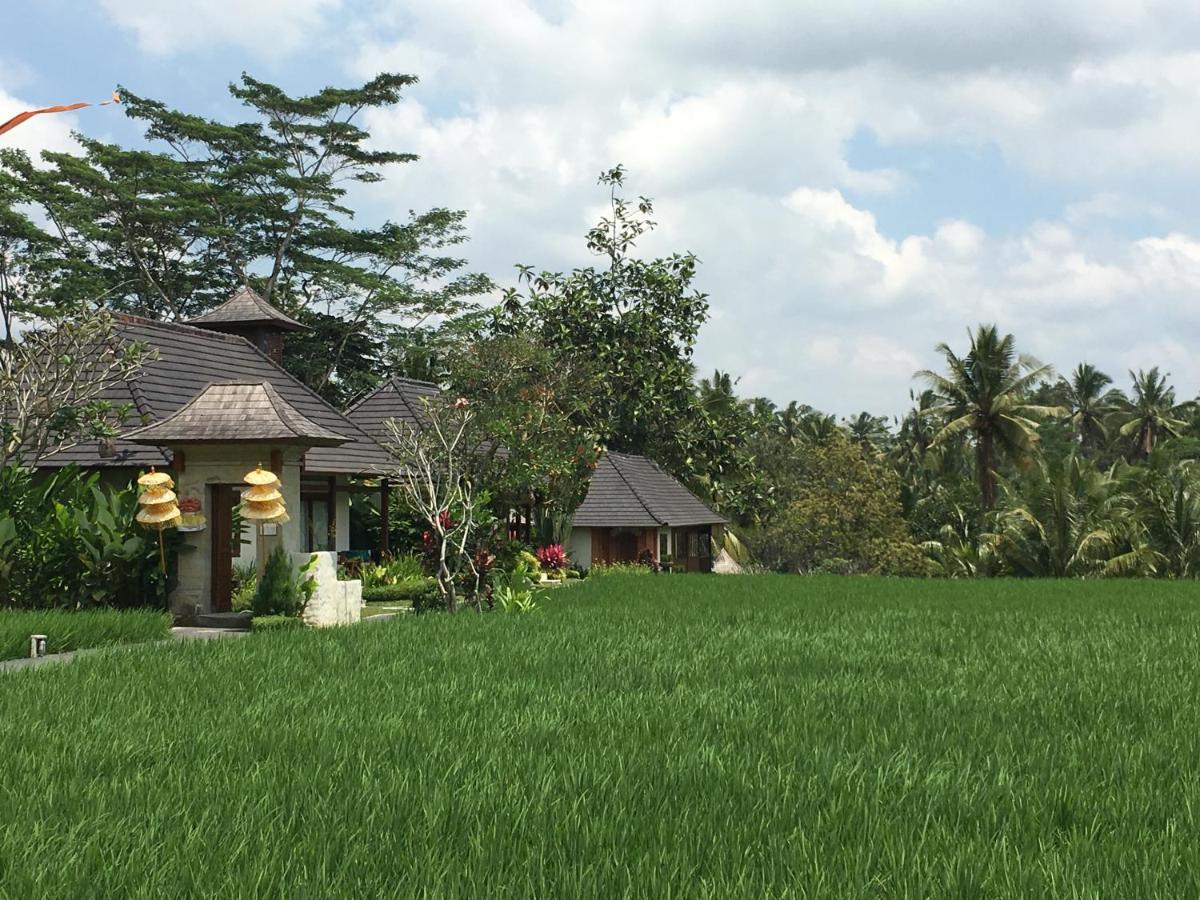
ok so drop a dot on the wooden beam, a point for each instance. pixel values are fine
(331, 512)
(385, 525)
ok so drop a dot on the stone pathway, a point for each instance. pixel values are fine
(177, 634)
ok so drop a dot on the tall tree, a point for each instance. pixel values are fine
(1068, 519)
(985, 394)
(635, 319)
(266, 201)
(869, 432)
(1151, 413)
(1089, 402)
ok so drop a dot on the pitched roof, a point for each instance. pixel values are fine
(237, 412)
(628, 491)
(188, 360)
(402, 399)
(245, 308)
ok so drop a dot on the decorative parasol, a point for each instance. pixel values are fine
(262, 504)
(158, 509)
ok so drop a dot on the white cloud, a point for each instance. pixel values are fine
(743, 123)
(738, 122)
(51, 132)
(267, 27)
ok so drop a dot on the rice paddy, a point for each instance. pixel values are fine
(680, 736)
(78, 629)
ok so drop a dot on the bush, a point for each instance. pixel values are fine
(422, 593)
(283, 590)
(846, 516)
(275, 623)
(245, 586)
(79, 629)
(396, 570)
(67, 542)
(552, 558)
(599, 570)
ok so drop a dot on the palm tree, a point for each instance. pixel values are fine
(1169, 510)
(1089, 404)
(1152, 413)
(716, 393)
(1069, 519)
(985, 394)
(869, 432)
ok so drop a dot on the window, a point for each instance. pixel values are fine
(316, 525)
(664, 544)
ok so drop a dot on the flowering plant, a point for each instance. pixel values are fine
(553, 558)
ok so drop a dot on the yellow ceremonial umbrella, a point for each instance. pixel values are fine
(158, 507)
(262, 504)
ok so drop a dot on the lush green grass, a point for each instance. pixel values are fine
(77, 630)
(683, 736)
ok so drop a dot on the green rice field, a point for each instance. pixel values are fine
(79, 629)
(674, 736)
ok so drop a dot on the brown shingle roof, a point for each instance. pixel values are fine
(402, 399)
(237, 412)
(189, 359)
(245, 308)
(628, 491)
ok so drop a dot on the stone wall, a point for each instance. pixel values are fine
(333, 602)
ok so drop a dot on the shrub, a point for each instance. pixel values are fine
(245, 586)
(275, 623)
(599, 570)
(514, 592)
(846, 514)
(283, 590)
(67, 542)
(552, 558)
(395, 570)
(422, 593)
(79, 629)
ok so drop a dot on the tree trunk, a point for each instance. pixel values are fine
(984, 464)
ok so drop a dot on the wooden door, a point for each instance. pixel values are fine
(221, 534)
(625, 547)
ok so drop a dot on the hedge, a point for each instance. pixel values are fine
(79, 629)
(275, 623)
(422, 594)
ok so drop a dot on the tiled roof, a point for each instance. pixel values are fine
(190, 359)
(237, 412)
(628, 491)
(402, 399)
(245, 307)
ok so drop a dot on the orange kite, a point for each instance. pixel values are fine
(25, 116)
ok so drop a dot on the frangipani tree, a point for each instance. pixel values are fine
(437, 469)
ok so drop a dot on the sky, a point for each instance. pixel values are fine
(859, 181)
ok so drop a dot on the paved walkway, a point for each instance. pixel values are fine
(177, 634)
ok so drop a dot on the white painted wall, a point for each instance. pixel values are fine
(579, 548)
